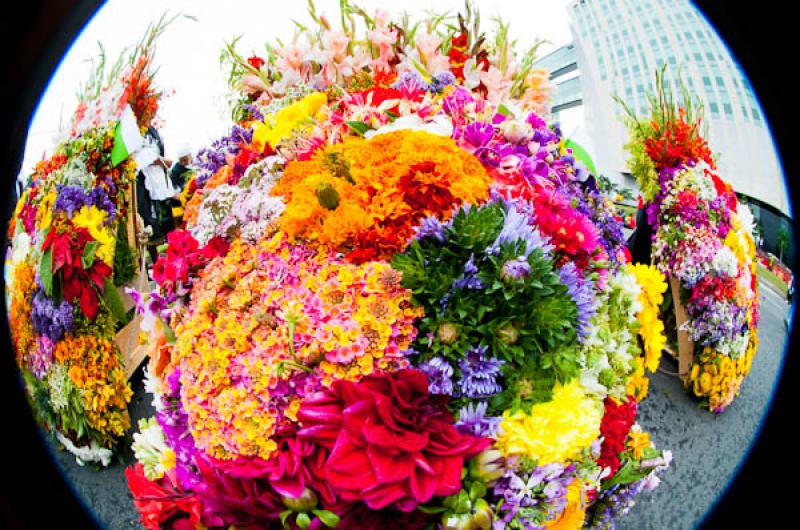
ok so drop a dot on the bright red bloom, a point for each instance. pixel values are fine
(255, 61)
(392, 443)
(161, 503)
(614, 428)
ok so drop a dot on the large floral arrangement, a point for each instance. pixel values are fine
(69, 255)
(398, 302)
(703, 237)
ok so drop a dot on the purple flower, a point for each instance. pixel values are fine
(456, 101)
(210, 159)
(410, 82)
(70, 199)
(535, 121)
(255, 114)
(439, 374)
(539, 495)
(49, 319)
(479, 374)
(174, 421)
(430, 227)
(478, 134)
(472, 419)
(41, 358)
(581, 292)
(516, 226)
(441, 80)
(469, 279)
(516, 269)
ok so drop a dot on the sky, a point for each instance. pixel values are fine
(193, 112)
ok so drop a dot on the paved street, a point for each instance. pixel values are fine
(706, 449)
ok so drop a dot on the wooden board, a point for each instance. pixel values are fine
(685, 344)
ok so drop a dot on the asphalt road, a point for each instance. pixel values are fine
(707, 449)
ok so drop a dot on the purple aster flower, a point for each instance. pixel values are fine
(469, 279)
(430, 227)
(479, 374)
(255, 114)
(210, 159)
(473, 420)
(516, 226)
(439, 374)
(441, 80)
(49, 319)
(516, 269)
(410, 82)
(581, 292)
(70, 199)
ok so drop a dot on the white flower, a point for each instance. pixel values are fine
(155, 386)
(725, 263)
(517, 131)
(86, 453)
(151, 449)
(746, 218)
(440, 125)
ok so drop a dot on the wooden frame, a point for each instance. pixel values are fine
(685, 344)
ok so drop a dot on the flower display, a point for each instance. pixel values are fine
(703, 240)
(398, 300)
(65, 309)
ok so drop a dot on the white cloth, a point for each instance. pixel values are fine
(155, 177)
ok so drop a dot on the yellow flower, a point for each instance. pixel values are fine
(282, 124)
(44, 214)
(92, 219)
(575, 511)
(555, 431)
(638, 441)
(651, 328)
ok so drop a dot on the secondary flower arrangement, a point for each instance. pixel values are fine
(68, 255)
(398, 302)
(703, 238)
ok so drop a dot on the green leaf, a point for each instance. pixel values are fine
(505, 111)
(432, 510)
(89, 252)
(477, 491)
(359, 127)
(114, 302)
(284, 516)
(303, 520)
(46, 271)
(328, 518)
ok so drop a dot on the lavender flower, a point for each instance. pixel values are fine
(456, 101)
(439, 374)
(516, 269)
(430, 227)
(516, 226)
(583, 295)
(469, 278)
(441, 80)
(479, 374)
(472, 419)
(41, 358)
(174, 421)
(410, 82)
(530, 498)
(210, 159)
(70, 199)
(49, 319)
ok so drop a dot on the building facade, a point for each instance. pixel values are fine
(620, 44)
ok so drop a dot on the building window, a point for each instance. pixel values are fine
(710, 57)
(728, 109)
(706, 81)
(720, 82)
(635, 68)
(755, 114)
(664, 40)
(714, 109)
(698, 57)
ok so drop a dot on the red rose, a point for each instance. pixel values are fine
(392, 443)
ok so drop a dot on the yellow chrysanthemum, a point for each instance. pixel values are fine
(555, 431)
(282, 124)
(651, 327)
(44, 214)
(574, 513)
(92, 219)
(638, 441)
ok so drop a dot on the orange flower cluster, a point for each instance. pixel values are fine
(19, 316)
(95, 366)
(364, 197)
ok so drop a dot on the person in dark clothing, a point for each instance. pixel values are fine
(178, 176)
(640, 242)
(154, 190)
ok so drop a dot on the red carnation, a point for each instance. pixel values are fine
(392, 443)
(161, 503)
(614, 428)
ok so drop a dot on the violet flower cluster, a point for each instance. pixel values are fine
(50, 319)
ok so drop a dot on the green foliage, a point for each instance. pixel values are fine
(124, 257)
(529, 323)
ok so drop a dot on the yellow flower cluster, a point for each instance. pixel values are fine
(44, 213)
(269, 312)
(92, 219)
(718, 377)
(95, 366)
(19, 314)
(556, 431)
(638, 441)
(651, 327)
(280, 125)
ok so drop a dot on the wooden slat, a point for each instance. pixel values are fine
(685, 344)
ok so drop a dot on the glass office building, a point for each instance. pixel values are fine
(620, 44)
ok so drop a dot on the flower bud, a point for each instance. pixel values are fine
(327, 196)
(447, 333)
(508, 334)
(515, 269)
(517, 132)
(487, 466)
(304, 503)
(480, 518)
